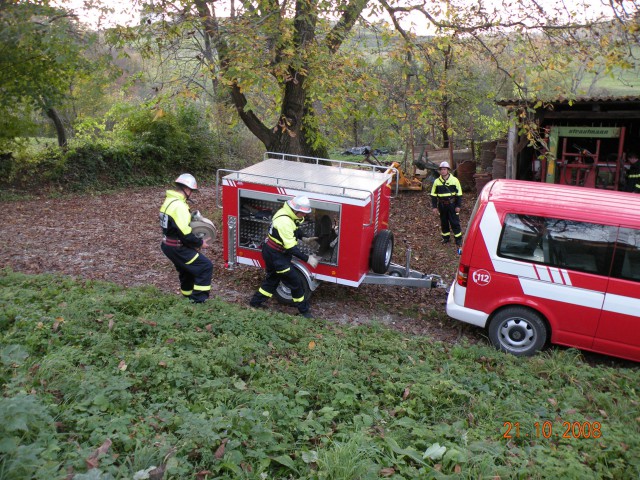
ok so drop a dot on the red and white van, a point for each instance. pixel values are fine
(544, 263)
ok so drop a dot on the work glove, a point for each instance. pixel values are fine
(313, 261)
(309, 240)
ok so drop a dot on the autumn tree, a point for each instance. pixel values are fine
(273, 60)
(531, 43)
(281, 65)
(41, 54)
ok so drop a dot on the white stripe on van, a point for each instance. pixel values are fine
(543, 273)
(620, 304)
(562, 293)
(490, 227)
(556, 275)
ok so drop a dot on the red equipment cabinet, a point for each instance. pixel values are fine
(350, 203)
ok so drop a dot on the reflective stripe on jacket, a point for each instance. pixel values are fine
(448, 189)
(284, 231)
(633, 178)
(175, 219)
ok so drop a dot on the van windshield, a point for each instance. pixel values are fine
(471, 217)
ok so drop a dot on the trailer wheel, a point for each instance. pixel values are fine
(205, 230)
(519, 331)
(381, 251)
(283, 293)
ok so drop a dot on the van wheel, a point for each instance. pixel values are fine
(283, 293)
(381, 251)
(519, 331)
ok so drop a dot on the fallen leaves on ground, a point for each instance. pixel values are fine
(116, 237)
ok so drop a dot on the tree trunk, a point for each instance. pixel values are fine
(445, 124)
(446, 102)
(356, 141)
(57, 121)
(296, 131)
(292, 133)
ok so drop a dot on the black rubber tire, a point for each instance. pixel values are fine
(519, 331)
(381, 251)
(204, 230)
(283, 293)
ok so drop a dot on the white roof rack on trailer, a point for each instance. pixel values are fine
(318, 175)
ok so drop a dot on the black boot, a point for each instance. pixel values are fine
(257, 301)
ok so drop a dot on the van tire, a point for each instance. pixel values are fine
(283, 293)
(381, 251)
(519, 331)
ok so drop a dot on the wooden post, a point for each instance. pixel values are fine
(512, 140)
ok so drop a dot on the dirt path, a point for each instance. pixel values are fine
(115, 237)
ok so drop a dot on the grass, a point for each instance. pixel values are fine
(13, 195)
(621, 83)
(100, 381)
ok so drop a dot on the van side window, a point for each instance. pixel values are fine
(586, 247)
(626, 263)
(523, 238)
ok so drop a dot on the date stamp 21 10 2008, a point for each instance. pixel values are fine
(547, 429)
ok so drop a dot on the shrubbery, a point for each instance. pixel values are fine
(102, 382)
(140, 146)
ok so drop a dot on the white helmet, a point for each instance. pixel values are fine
(445, 165)
(187, 180)
(300, 204)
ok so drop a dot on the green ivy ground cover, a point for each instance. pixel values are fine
(102, 382)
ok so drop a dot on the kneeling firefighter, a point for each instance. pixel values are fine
(280, 246)
(179, 243)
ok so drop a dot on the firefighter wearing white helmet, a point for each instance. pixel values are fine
(280, 246)
(446, 200)
(187, 180)
(179, 243)
(300, 204)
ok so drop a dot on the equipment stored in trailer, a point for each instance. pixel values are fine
(350, 218)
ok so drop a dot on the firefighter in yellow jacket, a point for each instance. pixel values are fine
(181, 246)
(446, 200)
(280, 246)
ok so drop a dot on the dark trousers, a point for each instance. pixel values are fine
(279, 269)
(448, 216)
(194, 271)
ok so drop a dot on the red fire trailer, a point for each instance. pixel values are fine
(350, 217)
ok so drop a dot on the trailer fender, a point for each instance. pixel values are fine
(309, 277)
(283, 293)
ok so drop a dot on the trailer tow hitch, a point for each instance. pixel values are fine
(404, 276)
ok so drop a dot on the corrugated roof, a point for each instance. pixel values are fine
(565, 101)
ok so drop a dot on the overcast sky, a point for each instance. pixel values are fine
(126, 13)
